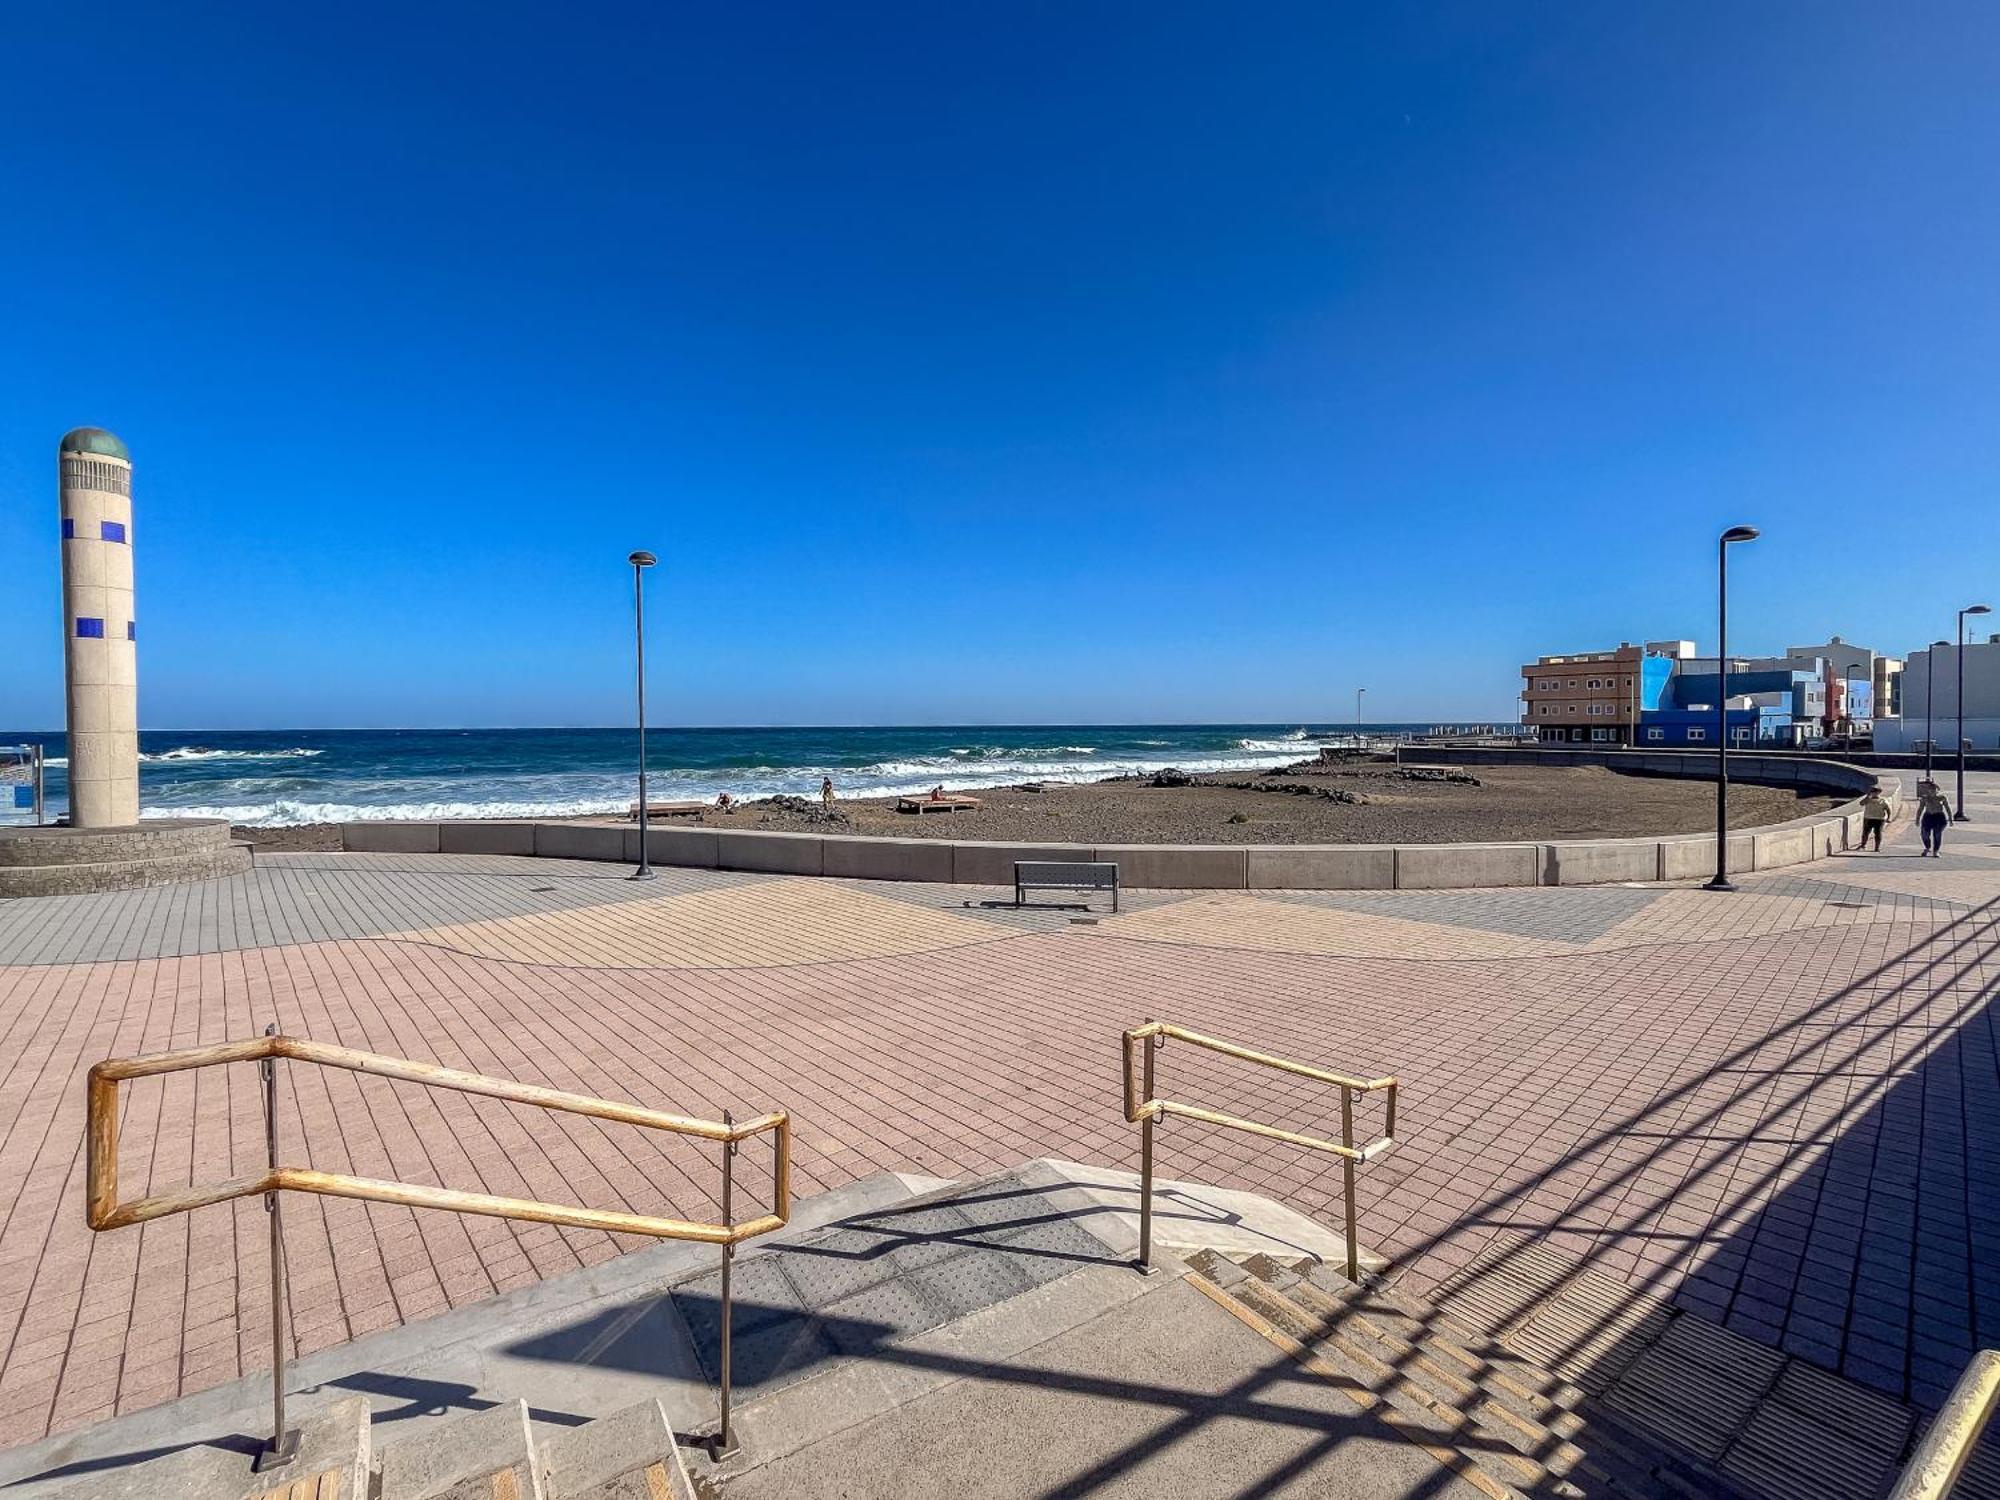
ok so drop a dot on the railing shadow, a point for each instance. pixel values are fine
(1851, 1218)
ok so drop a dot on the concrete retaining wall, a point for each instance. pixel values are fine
(1760, 767)
(1234, 867)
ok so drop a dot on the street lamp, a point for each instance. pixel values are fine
(1733, 534)
(1357, 714)
(1958, 802)
(641, 561)
(1930, 701)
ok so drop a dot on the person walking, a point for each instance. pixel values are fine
(1874, 813)
(826, 793)
(1933, 813)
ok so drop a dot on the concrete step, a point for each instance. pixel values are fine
(1492, 1393)
(1676, 1408)
(1727, 1415)
(489, 1455)
(1450, 1434)
(331, 1463)
(628, 1455)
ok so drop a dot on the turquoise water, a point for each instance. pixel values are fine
(272, 778)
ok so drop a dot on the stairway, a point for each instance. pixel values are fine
(1682, 1410)
(494, 1454)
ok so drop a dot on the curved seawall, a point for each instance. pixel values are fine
(1213, 866)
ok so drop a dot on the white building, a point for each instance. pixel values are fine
(1924, 676)
(1859, 663)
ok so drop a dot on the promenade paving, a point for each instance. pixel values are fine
(1772, 1107)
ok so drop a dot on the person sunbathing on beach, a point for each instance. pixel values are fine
(937, 792)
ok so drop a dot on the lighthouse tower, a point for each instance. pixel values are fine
(100, 636)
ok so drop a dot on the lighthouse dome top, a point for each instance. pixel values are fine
(95, 440)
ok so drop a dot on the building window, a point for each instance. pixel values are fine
(1600, 734)
(1572, 682)
(1696, 732)
(131, 630)
(1572, 708)
(86, 626)
(69, 529)
(111, 531)
(1656, 734)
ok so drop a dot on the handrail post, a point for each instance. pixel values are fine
(1146, 1266)
(1347, 1179)
(283, 1444)
(725, 1441)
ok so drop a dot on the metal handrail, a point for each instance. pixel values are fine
(1143, 1109)
(103, 1211)
(1934, 1468)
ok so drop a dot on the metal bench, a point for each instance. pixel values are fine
(1051, 875)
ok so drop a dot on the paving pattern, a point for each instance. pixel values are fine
(1773, 1108)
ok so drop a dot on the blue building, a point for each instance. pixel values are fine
(1771, 703)
(1678, 728)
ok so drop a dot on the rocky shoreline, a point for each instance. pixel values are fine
(1356, 801)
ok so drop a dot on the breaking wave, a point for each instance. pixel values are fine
(202, 752)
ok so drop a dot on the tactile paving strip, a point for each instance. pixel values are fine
(1671, 1389)
(1591, 1330)
(866, 1282)
(1508, 1280)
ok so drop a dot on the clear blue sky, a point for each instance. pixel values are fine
(1011, 362)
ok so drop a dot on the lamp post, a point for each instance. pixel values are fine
(641, 561)
(1958, 802)
(1357, 714)
(1733, 534)
(1930, 701)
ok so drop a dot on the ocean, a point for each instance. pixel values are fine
(284, 777)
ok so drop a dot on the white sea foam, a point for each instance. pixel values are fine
(202, 752)
(582, 794)
(288, 814)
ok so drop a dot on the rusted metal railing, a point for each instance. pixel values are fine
(1144, 1109)
(104, 1211)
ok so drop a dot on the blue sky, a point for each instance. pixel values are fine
(1001, 363)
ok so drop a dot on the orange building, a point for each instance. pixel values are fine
(1593, 697)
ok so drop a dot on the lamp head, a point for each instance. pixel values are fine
(1741, 534)
(642, 559)
(1977, 609)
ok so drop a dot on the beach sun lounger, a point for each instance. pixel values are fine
(668, 810)
(930, 804)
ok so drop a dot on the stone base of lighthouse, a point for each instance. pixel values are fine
(159, 851)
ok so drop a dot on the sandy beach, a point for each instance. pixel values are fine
(1305, 804)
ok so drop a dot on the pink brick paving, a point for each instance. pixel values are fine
(1781, 1119)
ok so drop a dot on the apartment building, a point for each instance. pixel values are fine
(1594, 697)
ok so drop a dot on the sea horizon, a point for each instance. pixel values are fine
(289, 777)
